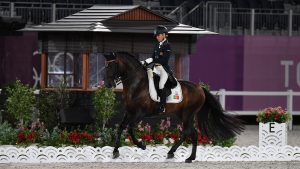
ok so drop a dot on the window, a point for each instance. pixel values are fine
(64, 66)
(96, 69)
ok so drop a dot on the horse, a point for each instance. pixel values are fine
(198, 106)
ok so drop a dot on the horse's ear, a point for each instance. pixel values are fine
(109, 56)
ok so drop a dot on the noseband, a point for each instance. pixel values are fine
(116, 75)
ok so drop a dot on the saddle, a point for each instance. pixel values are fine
(172, 86)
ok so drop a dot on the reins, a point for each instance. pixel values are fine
(117, 77)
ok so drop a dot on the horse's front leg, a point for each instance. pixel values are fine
(117, 144)
(134, 139)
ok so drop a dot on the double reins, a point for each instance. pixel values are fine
(116, 75)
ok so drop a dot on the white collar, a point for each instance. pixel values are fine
(160, 43)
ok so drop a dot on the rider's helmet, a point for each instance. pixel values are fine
(160, 29)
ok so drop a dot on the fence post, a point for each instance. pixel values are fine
(53, 12)
(290, 107)
(252, 22)
(180, 14)
(230, 20)
(1, 111)
(290, 22)
(215, 19)
(222, 98)
(12, 9)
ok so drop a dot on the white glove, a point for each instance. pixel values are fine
(149, 60)
(142, 62)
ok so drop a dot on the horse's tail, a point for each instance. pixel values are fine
(214, 123)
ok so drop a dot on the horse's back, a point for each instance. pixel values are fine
(192, 91)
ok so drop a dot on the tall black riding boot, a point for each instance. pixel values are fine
(162, 104)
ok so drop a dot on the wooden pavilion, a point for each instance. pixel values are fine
(72, 47)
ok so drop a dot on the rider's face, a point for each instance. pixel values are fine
(160, 37)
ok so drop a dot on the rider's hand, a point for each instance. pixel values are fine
(145, 64)
(149, 60)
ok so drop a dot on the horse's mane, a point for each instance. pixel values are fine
(132, 59)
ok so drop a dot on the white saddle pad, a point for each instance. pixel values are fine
(174, 97)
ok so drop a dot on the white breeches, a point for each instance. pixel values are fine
(163, 76)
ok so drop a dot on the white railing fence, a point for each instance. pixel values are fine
(222, 94)
(289, 94)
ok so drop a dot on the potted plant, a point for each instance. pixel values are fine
(105, 102)
(273, 126)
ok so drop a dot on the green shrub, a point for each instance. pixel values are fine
(8, 135)
(5, 115)
(20, 102)
(225, 143)
(105, 102)
(48, 106)
(63, 95)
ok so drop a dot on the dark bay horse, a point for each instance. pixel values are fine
(198, 105)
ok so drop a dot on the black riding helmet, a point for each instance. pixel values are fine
(160, 29)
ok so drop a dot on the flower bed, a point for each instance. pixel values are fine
(96, 146)
(38, 135)
(273, 114)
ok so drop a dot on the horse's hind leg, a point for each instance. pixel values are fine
(194, 137)
(187, 125)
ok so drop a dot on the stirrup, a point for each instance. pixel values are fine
(162, 109)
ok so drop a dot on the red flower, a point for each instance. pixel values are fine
(159, 136)
(174, 136)
(277, 117)
(74, 137)
(31, 136)
(21, 138)
(87, 136)
(202, 139)
(147, 137)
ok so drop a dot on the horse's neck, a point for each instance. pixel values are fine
(133, 81)
(133, 76)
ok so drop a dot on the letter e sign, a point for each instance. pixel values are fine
(271, 129)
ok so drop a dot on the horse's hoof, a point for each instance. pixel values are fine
(142, 146)
(116, 154)
(188, 161)
(170, 156)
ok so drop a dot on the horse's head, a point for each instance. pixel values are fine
(122, 66)
(112, 70)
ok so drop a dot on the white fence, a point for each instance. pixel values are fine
(33, 154)
(222, 93)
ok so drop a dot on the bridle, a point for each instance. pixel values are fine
(116, 76)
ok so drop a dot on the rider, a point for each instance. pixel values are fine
(160, 58)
